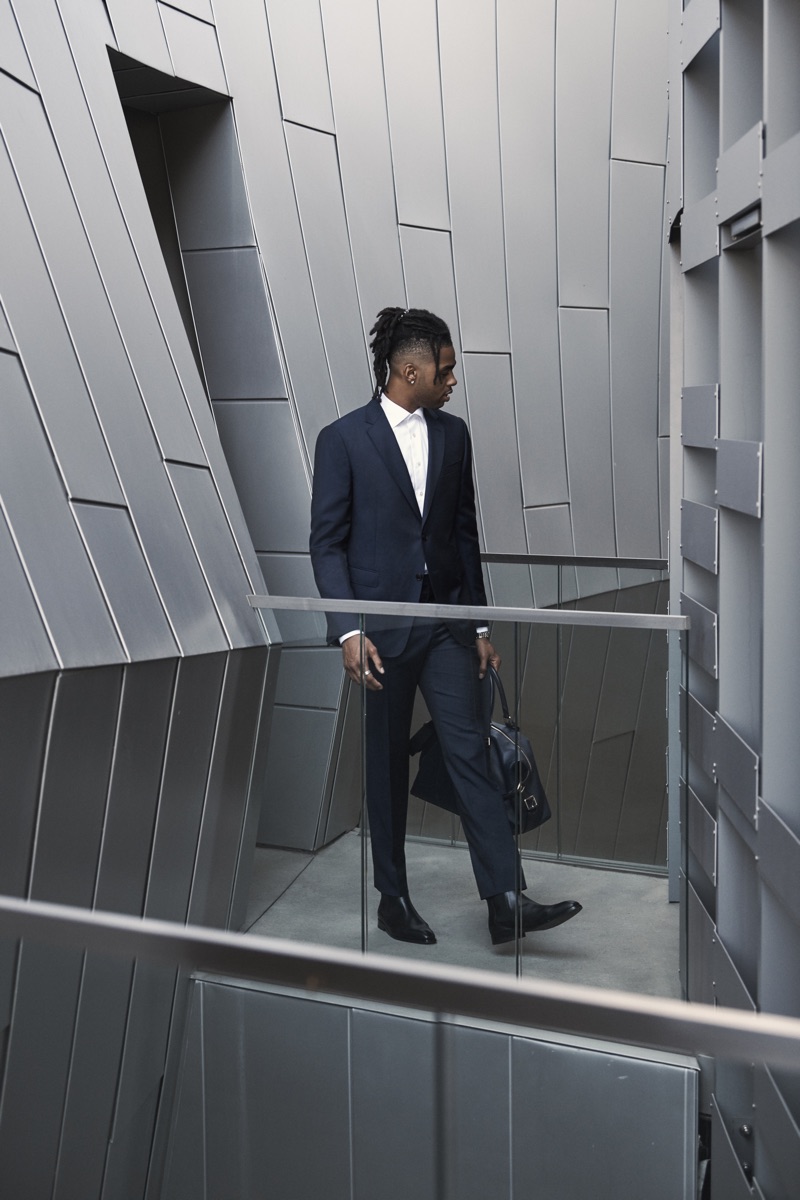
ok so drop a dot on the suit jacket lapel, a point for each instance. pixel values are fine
(435, 456)
(382, 435)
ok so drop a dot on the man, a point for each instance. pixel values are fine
(393, 518)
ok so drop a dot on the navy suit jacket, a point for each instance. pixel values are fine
(369, 540)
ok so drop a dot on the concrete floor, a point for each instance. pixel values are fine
(626, 937)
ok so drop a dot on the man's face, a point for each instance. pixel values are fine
(432, 390)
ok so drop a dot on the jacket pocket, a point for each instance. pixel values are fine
(361, 577)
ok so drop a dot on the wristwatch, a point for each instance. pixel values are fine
(483, 634)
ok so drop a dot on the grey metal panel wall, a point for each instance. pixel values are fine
(587, 420)
(193, 48)
(430, 282)
(637, 193)
(138, 27)
(315, 170)
(13, 59)
(526, 82)
(299, 49)
(584, 56)
(487, 380)
(469, 86)
(24, 641)
(413, 84)
(299, 754)
(639, 116)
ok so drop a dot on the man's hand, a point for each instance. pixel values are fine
(360, 659)
(487, 656)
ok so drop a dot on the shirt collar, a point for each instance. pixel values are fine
(395, 414)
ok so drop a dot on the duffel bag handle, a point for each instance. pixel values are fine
(497, 687)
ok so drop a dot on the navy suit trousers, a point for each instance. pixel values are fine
(446, 673)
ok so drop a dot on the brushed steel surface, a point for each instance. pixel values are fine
(25, 706)
(729, 987)
(779, 858)
(779, 948)
(467, 41)
(587, 421)
(218, 554)
(703, 643)
(139, 32)
(674, 197)
(701, 730)
(738, 915)
(490, 401)
(205, 175)
(310, 677)
(6, 336)
(261, 448)
(292, 573)
(430, 283)
(202, 9)
(637, 199)
(584, 58)
(526, 82)
(300, 749)
(13, 58)
(737, 768)
(25, 644)
(128, 1161)
(739, 174)
(639, 95)
(46, 534)
(126, 580)
(776, 1134)
(230, 308)
(781, 186)
(739, 475)
(699, 984)
(185, 1168)
(699, 232)
(702, 835)
(700, 416)
(701, 20)
(728, 1180)
(193, 48)
(148, 1021)
(409, 42)
(318, 186)
(298, 48)
(700, 534)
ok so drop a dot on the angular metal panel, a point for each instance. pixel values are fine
(737, 768)
(700, 534)
(144, 1054)
(195, 8)
(739, 475)
(702, 835)
(701, 744)
(615, 1100)
(701, 20)
(637, 201)
(777, 1137)
(428, 269)
(300, 748)
(185, 1169)
(639, 98)
(193, 48)
(37, 1067)
(291, 1049)
(186, 764)
(229, 303)
(244, 39)
(729, 987)
(217, 551)
(225, 808)
(206, 181)
(6, 336)
(699, 985)
(292, 575)
(702, 641)
(260, 444)
(24, 720)
(674, 197)
(344, 810)
(319, 198)
(139, 32)
(24, 642)
(136, 771)
(779, 959)
(699, 233)
(298, 48)
(739, 174)
(738, 914)
(490, 398)
(386, 1121)
(587, 420)
(41, 334)
(584, 72)
(94, 1071)
(526, 81)
(128, 1159)
(48, 539)
(779, 858)
(601, 800)
(310, 677)
(467, 50)
(477, 1066)
(127, 581)
(781, 186)
(409, 35)
(642, 824)
(623, 682)
(13, 59)
(728, 1180)
(75, 782)
(700, 416)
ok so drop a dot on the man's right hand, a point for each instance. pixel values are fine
(362, 661)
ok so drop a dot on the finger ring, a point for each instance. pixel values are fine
(366, 673)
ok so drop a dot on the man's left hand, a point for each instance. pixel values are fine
(487, 656)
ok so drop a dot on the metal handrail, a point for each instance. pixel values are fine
(449, 612)
(657, 1023)
(578, 560)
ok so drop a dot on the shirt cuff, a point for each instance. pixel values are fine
(345, 636)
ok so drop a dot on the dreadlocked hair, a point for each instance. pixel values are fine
(405, 329)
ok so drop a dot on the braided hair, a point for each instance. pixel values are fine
(398, 330)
